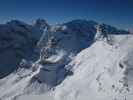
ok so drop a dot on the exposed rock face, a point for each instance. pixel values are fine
(58, 45)
(72, 36)
(17, 41)
(41, 24)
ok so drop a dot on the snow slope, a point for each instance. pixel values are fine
(100, 73)
(53, 56)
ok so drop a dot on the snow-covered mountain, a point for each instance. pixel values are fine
(64, 71)
(17, 42)
(100, 72)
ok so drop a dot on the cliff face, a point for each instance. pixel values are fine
(72, 59)
(17, 42)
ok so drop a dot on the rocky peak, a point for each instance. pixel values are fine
(41, 23)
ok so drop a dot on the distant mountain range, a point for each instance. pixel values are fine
(66, 58)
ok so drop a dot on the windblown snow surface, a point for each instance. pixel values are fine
(103, 71)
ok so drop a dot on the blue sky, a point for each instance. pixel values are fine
(115, 12)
